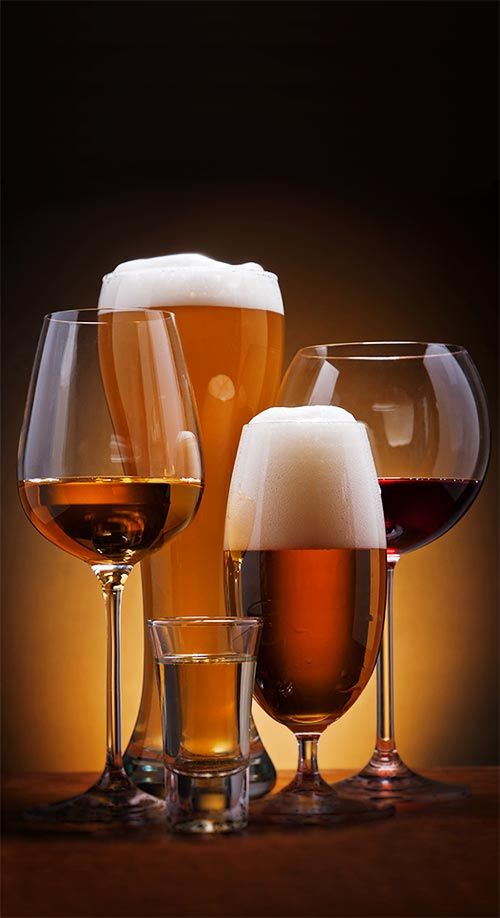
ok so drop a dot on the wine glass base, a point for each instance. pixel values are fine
(318, 806)
(105, 804)
(399, 786)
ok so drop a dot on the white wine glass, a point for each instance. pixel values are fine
(424, 408)
(109, 469)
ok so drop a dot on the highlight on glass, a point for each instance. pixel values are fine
(110, 469)
(424, 409)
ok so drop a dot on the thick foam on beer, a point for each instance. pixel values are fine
(304, 478)
(181, 280)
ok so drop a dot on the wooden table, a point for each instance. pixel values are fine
(433, 862)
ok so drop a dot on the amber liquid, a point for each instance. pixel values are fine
(206, 712)
(322, 612)
(109, 520)
(234, 358)
(234, 361)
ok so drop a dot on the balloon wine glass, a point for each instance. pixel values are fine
(424, 409)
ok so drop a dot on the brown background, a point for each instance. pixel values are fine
(349, 147)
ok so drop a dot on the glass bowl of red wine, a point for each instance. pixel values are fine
(425, 412)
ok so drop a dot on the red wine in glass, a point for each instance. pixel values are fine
(418, 510)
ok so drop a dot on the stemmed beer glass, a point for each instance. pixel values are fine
(424, 409)
(109, 469)
(305, 552)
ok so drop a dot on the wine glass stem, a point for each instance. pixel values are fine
(112, 579)
(386, 742)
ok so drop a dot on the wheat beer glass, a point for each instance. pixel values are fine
(109, 495)
(424, 410)
(230, 319)
(305, 552)
(205, 669)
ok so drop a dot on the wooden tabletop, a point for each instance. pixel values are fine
(439, 861)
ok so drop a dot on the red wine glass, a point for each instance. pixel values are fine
(425, 412)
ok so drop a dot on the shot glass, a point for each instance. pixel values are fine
(205, 670)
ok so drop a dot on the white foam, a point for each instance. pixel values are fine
(304, 478)
(305, 412)
(178, 280)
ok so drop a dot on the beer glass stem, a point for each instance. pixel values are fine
(307, 770)
(386, 742)
(112, 579)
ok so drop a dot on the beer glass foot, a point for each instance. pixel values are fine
(315, 806)
(113, 800)
(386, 779)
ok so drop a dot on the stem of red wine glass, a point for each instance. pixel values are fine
(386, 742)
(112, 579)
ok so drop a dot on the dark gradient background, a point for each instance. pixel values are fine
(350, 147)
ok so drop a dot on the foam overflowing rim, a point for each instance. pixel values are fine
(177, 269)
(303, 420)
(247, 286)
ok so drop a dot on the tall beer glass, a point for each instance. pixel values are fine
(230, 320)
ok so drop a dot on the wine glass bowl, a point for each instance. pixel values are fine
(109, 469)
(424, 410)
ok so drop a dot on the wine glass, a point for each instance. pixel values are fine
(425, 413)
(305, 552)
(109, 469)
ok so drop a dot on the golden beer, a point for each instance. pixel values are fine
(322, 614)
(230, 320)
(305, 552)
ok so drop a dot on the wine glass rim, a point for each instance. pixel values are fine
(71, 316)
(449, 350)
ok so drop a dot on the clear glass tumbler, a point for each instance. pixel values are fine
(205, 670)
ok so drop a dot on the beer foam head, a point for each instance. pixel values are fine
(181, 280)
(305, 412)
(304, 478)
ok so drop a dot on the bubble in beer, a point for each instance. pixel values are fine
(304, 478)
(173, 280)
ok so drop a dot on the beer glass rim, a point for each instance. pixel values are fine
(166, 269)
(310, 420)
(72, 316)
(335, 350)
(227, 620)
